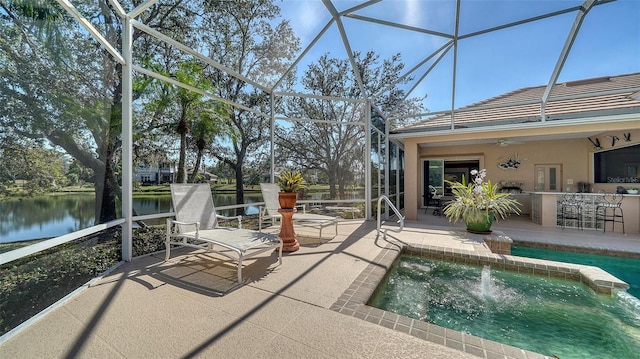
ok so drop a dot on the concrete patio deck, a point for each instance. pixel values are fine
(191, 306)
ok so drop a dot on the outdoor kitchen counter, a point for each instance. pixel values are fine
(544, 211)
(524, 198)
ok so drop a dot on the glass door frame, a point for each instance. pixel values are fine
(441, 187)
(547, 167)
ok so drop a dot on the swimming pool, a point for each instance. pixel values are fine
(547, 315)
(626, 269)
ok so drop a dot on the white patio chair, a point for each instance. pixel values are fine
(270, 211)
(196, 225)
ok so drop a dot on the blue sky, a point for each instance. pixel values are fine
(487, 65)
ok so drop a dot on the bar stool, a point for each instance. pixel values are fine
(571, 209)
(610, 210)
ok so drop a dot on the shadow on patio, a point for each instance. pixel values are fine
(191, 306)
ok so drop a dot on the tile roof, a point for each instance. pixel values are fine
(573, 99)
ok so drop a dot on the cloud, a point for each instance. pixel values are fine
(306, 18)
(412, 12)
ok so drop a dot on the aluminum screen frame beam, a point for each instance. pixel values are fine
(571, 37)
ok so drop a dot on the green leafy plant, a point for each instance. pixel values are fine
(290, 181)
(477, 199)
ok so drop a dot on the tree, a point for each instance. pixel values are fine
(41, 168)
(59, 84)
(80, 173)
(194, 117)
(10, 164)
(181, 110)
(204, 129)
(256, 170)
(223, 171)
(337, 148)
(253, 47)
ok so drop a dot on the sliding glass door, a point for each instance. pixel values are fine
(436, 171)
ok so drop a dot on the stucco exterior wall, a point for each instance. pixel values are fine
(574, 154)
(411, 179)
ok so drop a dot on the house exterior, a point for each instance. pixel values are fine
(584, 138)
(164, 173)
(207, 176)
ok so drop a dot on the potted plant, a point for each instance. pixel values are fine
(478, 202)
(290, 183)
(632, 190)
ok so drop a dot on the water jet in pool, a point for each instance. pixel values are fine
(485, 283)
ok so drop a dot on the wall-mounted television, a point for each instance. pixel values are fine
(618, 165)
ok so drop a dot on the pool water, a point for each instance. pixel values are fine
(545, 315)
(625, 269)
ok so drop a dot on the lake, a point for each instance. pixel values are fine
(52, 216)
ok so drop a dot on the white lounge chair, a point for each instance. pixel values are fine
(271, 205)
(196, 225)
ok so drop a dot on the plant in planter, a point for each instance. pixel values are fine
(478, 202)
(632, 190)
(290, 183)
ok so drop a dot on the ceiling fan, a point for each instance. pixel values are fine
(504, 142)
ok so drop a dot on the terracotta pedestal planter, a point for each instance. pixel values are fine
(287, 234)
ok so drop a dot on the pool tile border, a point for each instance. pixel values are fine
(353, 301)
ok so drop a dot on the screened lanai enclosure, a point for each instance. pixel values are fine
(117, 94)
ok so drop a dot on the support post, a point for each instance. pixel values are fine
(127, 141)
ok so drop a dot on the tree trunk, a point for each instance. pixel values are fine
(181, 176)
(201, 146)
(332, 183)
(240, 155)
(342, 190)
(239, 190)
(194, 174)
(109, 195)
(106, 190)
(107, 211)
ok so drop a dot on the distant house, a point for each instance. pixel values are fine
(165, 173)
(148, 174)
(210, 177)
